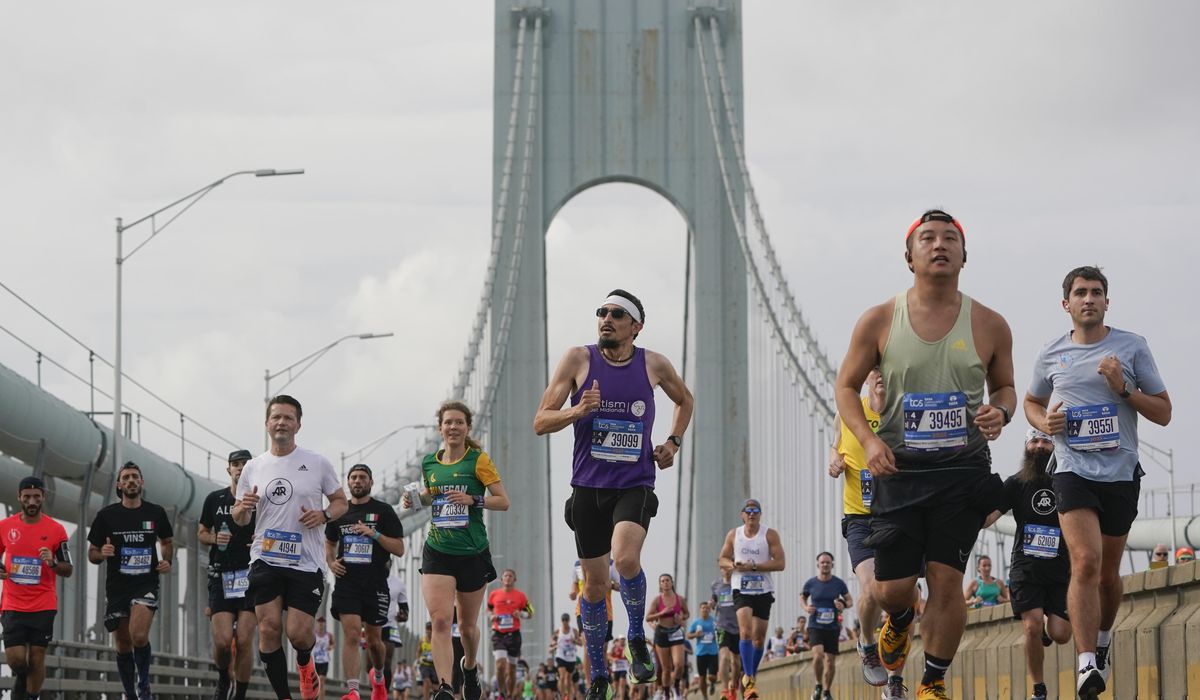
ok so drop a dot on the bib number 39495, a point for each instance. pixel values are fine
(1091, 428)
(935, 422)
(617, 440)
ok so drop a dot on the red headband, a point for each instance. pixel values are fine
(935, 216)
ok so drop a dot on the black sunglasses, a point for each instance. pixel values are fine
(752, 510)
(617, 313)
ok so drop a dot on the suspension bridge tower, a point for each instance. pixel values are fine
(588, 93)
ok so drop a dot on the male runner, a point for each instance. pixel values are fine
(35, 551)
(575, 593)
(612, 499)
(750, 553)
(846, 456)
(936, 349)
(228, 579)
(124, 535)
(1040, 568)
(506, 606)
(359, 547)
(1105, 378)
(397, 616)
(824, 597)
(282, 490)
(728, 635)
(704, 631)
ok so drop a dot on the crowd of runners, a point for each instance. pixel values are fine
(919, 485)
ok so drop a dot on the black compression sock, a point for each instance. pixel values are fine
(276, 665)
(128, 673)
(935, 669)
(239, 690)
(901, 621)
(303, 655)
(141, 658)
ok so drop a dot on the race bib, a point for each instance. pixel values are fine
(826, 616)
(234, 584)
(25, 571)
(504, 623)
(867, 482)
(356, 549)
(675, 635)
(450, 515)
(725, 599)
(935, 422)
(427, 657)
(1091, 428)
(620, 665)
(281, 547)
(708, 638)
(754, 583)
(135, 561)
(567, 648)
(617, 440)
(1040, 541)
(393, 635)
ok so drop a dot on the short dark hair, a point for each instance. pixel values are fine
(822, 554)
(634, 300)
(1087, 272)
(130, 465)
(288, 400)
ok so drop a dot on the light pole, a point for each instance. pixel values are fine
(311, 358)
(185, 203)
(377, 442)
(1153, 453)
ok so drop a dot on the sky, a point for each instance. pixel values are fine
(1060, 134)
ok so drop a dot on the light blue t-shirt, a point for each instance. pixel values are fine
(706, 644)
(1100, 442)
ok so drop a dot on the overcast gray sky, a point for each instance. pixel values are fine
(1059, 133)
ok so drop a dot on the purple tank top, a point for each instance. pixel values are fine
(613, 448)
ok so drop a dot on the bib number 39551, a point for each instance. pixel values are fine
(617, 440)
(1091, 428)
(935, 422)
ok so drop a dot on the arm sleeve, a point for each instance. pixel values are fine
(1039, 383)
(485, 470)
(1145, 371)
(163, 528)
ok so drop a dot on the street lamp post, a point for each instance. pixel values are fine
(377, 442)
(311, 359)
(1153, 453)
(185, 203)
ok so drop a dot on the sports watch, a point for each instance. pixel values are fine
(676, 439)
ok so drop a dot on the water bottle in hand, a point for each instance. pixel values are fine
(225, 530)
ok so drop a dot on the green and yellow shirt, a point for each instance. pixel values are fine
(455, 528)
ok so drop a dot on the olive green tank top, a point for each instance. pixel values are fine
(934, 390)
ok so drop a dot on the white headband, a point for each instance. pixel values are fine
(618, 300)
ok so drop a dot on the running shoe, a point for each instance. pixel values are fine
(641, 664)
(471, 689)
(895, 690)
(933, 691)
(893, 645)
(1039, 692)
(144, 692)
(827, 696)
(379, 689)
(1090, 684)
(308, 680)
(600, 690)
(748, 690)
(352, 695)
(873, 672)
(444, 692)
(221, 692)
(1102, 664)
(816, 693)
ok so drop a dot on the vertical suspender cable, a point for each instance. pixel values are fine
(691, 454)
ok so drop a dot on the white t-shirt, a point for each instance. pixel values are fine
(776, 648)
(399, 594)
(285, 484)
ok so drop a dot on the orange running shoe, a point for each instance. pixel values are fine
(308, 680)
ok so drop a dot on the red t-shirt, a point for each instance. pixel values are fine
(31, 586)
(505, 605)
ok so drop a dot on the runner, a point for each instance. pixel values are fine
(750, 553)
(283, 491)
(397, 615)
(1105, 378)
(228, 579)
(846, 456)
(824, 596)
(668, 612)
(460, 482)
(727, 633)
(576, 594)
(402, 680)
(936, 349)
(620, 669)
(35, 552)
(506, 607)
(611, 388)
(322, 653)
(704, 631)
(123, 534)
(429, 677)
(986, 590)
(565, 645)
(359, 547)
(1040, 568)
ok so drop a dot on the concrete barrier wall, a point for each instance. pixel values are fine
(1155, 652)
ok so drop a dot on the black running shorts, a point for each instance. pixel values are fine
(470, 571)
(300, 590)
(706, 665)
(759, 604)
(119, 603)
(855, 529)
(507, 642)
(1115, 502)
(1032, 592)
(593, 514)
(32, 628)
(218, 603)
(826, 639)
(368, 601)
(729, 640)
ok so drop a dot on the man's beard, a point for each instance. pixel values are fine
(31, 511)
(1033, 466)
(608, 344)
(360, 492)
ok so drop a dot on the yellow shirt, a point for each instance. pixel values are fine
(856, 462)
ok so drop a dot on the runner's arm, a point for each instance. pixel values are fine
(1155, 408)
(775, 547)
(861, 357)
(1000, 380)
(497, 498)
(338, 505)
(551, 417)
(725, 558)
(673, 386)
(1003, 597)
(166, 550)
(205, 536)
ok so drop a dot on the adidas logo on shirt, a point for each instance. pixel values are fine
(302, 468)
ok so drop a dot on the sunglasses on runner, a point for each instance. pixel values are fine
(617, 313)
(752, 510)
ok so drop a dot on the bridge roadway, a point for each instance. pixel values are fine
(1156, 652)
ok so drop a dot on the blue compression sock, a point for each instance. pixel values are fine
(746, 651)
(595, 633)
(633, 594)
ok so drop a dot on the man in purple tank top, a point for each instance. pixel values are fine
(611, 388)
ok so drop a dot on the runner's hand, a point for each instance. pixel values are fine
(338, 567)
(164, 566)
(810, 609)
(990, 421)
(1056, 420)
(310, 517)
(3, 571)
(880, 460)
(223, 537)
(361, 528)
(108, 550)
(991, 518)
(839, 605)
(47, 556)
(837, 463)
(459, 497)
(664, 454)
(1110, 369)
(250, 499)
(589, 400)
(406, 501)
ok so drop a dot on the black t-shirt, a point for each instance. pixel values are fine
(353, 549)
(216, 513)
(1039, 546)
(135, 533)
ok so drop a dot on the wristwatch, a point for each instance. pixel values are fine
(1004, 410)
(1126, 389)
(328, 517)
(676, 439)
